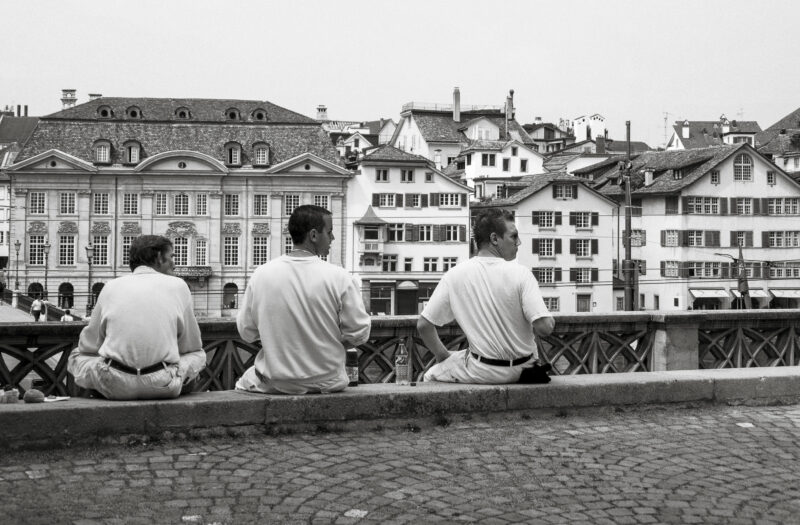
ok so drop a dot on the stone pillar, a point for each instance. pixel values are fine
(676, 341)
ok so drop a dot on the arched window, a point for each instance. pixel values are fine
(230, 299)
(105, 112)
(36, 290)
(231, 114)
(183, 113)
(102, 152)
(133, 112)
(233, 154)
(96, 289)
(132, 151)
(260, 154)
(743, 167)
(66, 297)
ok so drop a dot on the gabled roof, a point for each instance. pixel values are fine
(16, 129)
(375, 126)
(75, 137)
(705, 133)
(530, 128)
(621, 146)
(555, 163)
(387, 153)
(603, 165)
(439, 126)
(200, 109)
(693, 162)
(534, 184)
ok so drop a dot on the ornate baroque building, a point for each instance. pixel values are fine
(219, 177)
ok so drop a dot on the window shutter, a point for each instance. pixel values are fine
(685, 204)
(594, 246)
(462, 233)
(410, 228)
(557, 275)
(765, 239)
(424, 199)
(572, 245)
(557, 220)
(376, 199)
(733, 239)
(572, 218)
(756, 206)
(535, 273)
(684, 269)
(765, 206)
(748, 239)
(437, 233)
(574, 191)
(636, 210)
(684, 237)
(573, 274)
(408, 199)
(725, 270)
(733, 206)
(644, 238)
(463, 199)
(715, 239)
(557, 246)
(398, 200)
(535, 218)
(554, 191)
(434, 199)
(535, 246)
(663, 268)
(708, 238)
(723, 206)
(594, 275)
(595, 218)
(663, 237)
(671, 205)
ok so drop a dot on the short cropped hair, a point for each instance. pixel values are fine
(145, 249)
(488, 221)
(304, 219)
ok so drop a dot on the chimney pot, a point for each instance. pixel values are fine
(94, 96)
(322, 112)
(26, 110)
(456, 104)
(19, 110)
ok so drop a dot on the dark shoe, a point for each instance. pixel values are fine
(536, 374)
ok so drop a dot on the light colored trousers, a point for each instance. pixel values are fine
(251, 382)
(457, 369)
(91, 371)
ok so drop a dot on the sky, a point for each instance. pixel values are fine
(626, 60)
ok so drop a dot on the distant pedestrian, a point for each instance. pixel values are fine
(36, 309)
(67, 317)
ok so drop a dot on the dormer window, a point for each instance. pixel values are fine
(232, 114)
(105, 112)
(233, 154)
(183, 113)
(133, 112)
(260, 154)
(259, 114)
(132, 152)
(102, 152)
(677, 174)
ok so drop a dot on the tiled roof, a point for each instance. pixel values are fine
(599, 166)
(440, 126)
(534, 183)
(621, 146)
(76, 137)
(385, 152)
(484, 145)
(200, 109)
(370, 218)
(559, 162)
(16, 129)
(773, 142)
(705, 133)
(375, 126)
(790, 121)
(694, 162)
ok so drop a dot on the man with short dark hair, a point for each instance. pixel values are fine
(142, 341)
(306, 313)
(497, 304)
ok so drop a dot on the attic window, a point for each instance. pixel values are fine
(260, 154)
(133, 112)
(715, 177)
(132, 152)
(183, 113)
(259, 114)
(102, 152)
(233, 154)
(232, 114)
(677, 174)
(104, 112)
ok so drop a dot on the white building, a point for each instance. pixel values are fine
(706, 133)
(694, 208)
(565, 229)
(587, 127)
(407, 224)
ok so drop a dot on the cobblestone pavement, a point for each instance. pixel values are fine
(658, 465)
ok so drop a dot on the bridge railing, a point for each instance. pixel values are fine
(580, 344)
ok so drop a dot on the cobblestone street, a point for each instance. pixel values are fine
(657, 465)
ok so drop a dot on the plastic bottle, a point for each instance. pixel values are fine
(351, 366)
(402, 365)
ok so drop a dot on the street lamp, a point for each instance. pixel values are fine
(90, 301)
(46, 264)
(17, 245)
(742, 285)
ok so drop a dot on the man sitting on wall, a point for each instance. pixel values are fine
(498, 305)
(142, 341)
(305, 311)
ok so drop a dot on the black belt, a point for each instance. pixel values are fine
(134, 371)
(501, 362)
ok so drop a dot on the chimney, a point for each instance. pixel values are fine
(726, 126)
(94, 96)
(538, 120)
(26, 110)
(605, 134)
(600, 144)
(685, 131)
(456, 104)
(68, 98)
(19, 110)
(322, 112)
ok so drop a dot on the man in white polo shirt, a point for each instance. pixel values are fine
(142, 341)
(496, 302)
(305, 311)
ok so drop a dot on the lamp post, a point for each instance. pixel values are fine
(743, 286)
(17, 245)
(46, 264)
(90, 300)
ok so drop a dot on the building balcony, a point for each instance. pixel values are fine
(371, 247)
(193, 272)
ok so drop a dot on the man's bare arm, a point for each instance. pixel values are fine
(544, 326)
(430, 336)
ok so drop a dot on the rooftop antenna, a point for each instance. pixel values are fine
(666, 126)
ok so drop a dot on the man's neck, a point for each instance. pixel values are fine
(306, 249)
(489, 251)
